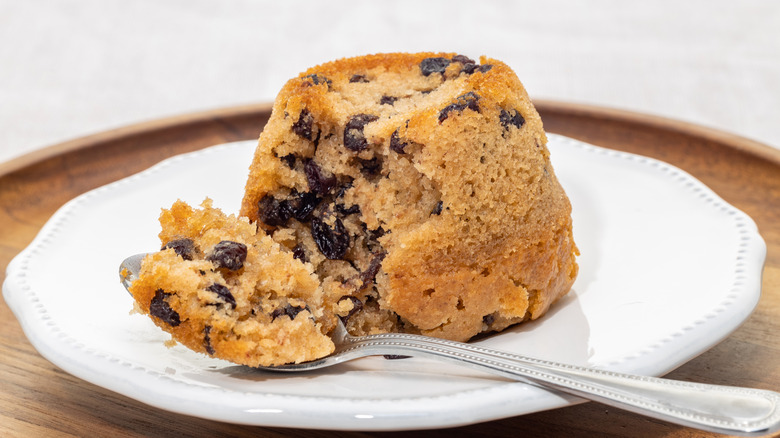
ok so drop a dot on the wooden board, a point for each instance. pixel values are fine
(38, 399)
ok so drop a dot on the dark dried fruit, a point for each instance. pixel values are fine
(437, 209)
(358, 78)
(466, 101)
(387, 100)
(468, 64)
(301, 205)
(160, 308)
(300, 253)
(489, 319)
(287, 310)
(473, 68)
(463, 59)
(185, 248)
(357, 306)
(303, 126)
(207, 340)
(469, 68)
(368, 276)
(273, 212)
(376, 234)
(320, 182)
(354, 139)
(396, 144)
(289, 160)
(343, 210)
(332, 242)
(223, 293)
(229, 255)
(433, 65)
(511, 118)
(316, 79)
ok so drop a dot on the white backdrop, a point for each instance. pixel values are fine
(74, 67)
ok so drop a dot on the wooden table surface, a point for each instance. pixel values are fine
(39, 399)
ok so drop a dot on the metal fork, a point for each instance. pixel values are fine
(714, 408)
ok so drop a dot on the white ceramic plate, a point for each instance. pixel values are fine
(667, 270)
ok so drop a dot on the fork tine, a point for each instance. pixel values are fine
(129, 269)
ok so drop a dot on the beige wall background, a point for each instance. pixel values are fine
(69, 68)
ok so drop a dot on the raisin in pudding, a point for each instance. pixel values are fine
(396, 192)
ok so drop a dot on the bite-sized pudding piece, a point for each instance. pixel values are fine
(419, 189)
(221, 288)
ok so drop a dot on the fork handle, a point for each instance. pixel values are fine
(714, 408)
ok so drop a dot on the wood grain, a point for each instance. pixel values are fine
(38, 399)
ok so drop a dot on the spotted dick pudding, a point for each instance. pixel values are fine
(394, 192)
